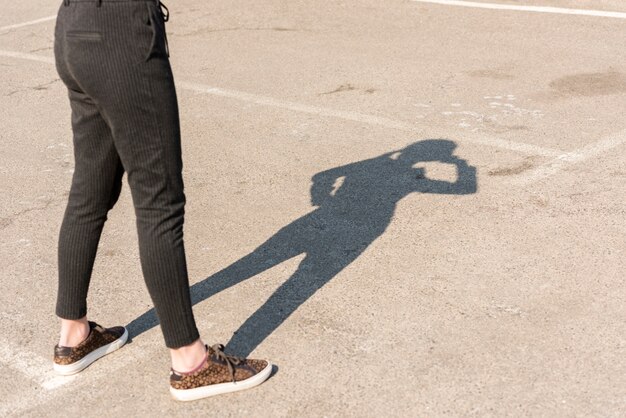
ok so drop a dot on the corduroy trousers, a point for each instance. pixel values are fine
(112, 55)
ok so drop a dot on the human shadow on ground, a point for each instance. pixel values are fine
(355, 204)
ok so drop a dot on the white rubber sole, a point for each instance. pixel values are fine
(69, 369)
(221, 388)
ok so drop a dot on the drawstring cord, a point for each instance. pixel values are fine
(165, 14)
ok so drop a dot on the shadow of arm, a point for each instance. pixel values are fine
(323, 184)
(465, 184)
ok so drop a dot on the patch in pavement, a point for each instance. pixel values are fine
(590, 84)
(490, 73)
(527, 164)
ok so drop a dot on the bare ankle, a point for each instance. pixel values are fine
(73, 331)
(188, 357)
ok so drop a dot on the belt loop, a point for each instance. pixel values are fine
(66, 2)
(99, 3)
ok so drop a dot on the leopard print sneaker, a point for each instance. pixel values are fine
(218, 373)
(100, 342)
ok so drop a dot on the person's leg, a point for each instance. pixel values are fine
(95, 188)
(148, 136)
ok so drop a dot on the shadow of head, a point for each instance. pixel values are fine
(426, 150)
(384, 179)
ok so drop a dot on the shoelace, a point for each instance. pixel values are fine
(231, 361)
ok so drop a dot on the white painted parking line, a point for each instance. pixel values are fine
(29, 23)
(32, 366)
(574, 157)
(537, 9)
(364, 118)
(523, 148)
(26, 56)
(39, 369)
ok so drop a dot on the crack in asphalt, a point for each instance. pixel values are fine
(6, 222)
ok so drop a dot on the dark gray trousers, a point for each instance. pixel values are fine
(112, 56)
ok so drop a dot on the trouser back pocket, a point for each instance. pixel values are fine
(85, 35)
